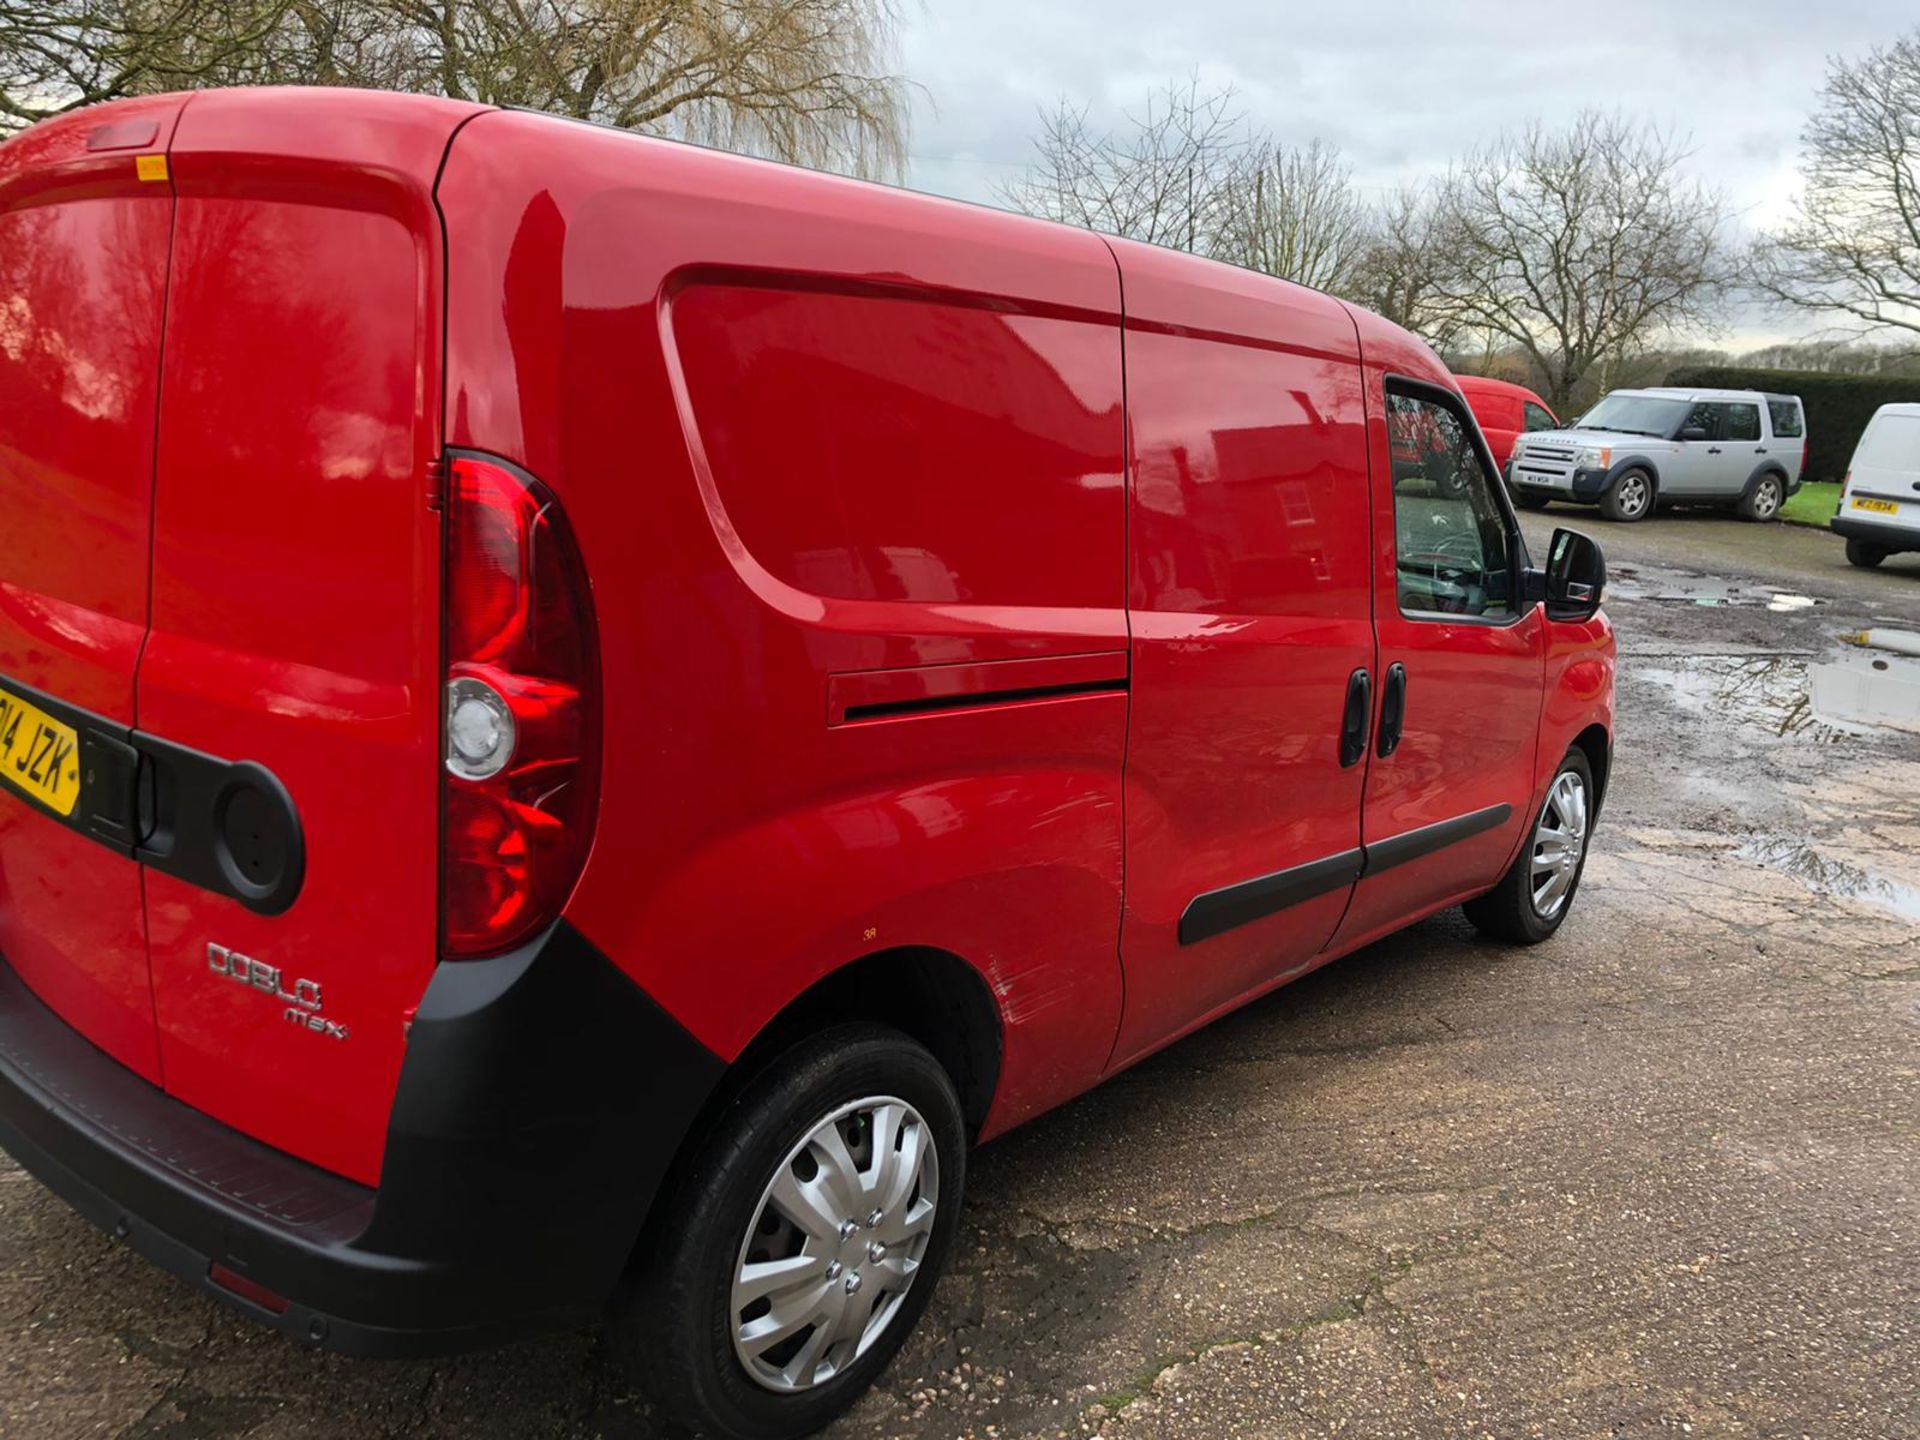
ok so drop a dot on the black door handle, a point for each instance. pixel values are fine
(1713, 450)
(1353, 723)
(1393, 710)
(1759, 449)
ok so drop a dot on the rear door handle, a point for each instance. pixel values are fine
(1759, 449)
(1353, 722)
(1713, 450)
(1393, 710)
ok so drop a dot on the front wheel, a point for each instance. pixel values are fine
(1534, 896)
(1763, 501)
(1629, 498)
(803, 1243)
(1866, 556)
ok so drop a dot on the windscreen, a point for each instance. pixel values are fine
(1635, 415)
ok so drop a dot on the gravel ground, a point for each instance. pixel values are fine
(1656, 1177)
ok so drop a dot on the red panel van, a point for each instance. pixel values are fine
(580, 717)
(1505, 412)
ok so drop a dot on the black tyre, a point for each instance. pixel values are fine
(1533, 897)
(1763, 501)
(1529, 500)
(1630, 497)
(803, 1243)
(1866, 556)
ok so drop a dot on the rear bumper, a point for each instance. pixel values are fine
(1875, 532)
(542, 1100)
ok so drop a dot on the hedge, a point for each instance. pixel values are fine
(1838, 406)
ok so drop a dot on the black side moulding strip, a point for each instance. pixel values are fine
(1218, 911)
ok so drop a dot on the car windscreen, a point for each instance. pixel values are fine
(1635, 415)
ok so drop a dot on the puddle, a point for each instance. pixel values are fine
(1769, 692)
(1689, 587)
(1828, 876)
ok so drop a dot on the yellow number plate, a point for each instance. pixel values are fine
(39, 755)
(1879, 507)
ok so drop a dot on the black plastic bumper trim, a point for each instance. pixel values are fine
(542, 1098)
(1896, 538)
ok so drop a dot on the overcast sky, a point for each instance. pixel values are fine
(1400, 87)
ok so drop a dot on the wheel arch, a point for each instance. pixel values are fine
(931, 995)
(1760, 472)
(1597, 745)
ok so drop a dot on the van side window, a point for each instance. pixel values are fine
(1785, 415)
(1452, 549)
(1539, 419)
(1705, 415)
(1743, 422)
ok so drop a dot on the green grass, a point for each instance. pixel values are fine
(1814, 505)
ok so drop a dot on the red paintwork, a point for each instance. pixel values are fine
(1500, 408)
(83, 257)
(296, 589)
(824, 445)
(1251, 605)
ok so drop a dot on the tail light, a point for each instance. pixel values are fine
(521, 727)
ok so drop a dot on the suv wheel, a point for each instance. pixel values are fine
(1534, 896)
(803, 1244)
(1630, 497)
(1762, 502)
(1866, 556)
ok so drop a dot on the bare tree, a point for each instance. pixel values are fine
(1293, 212)
(1853, 249)
(1581, 246)
(1400, 275)
(1160, 180)
(800, 80)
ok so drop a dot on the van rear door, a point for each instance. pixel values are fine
(85, 215)
(294, 655)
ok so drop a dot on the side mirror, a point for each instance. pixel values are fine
(1576, 577)
(1695, 432)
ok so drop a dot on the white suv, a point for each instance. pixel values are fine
(1734, 448)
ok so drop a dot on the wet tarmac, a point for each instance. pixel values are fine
(1657, 1177)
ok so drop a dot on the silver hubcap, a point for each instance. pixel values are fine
(1559, 840)
(1633, 494)
(836, 1243)
(1766, 499)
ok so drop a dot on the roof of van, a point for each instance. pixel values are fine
(1489, 385)
(1898, 407)
(1701, 392)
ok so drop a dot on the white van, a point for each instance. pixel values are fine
(1880, 507)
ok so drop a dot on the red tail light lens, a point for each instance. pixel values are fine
(521, 727)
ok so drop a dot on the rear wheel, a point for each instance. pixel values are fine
(1534, 896)
(804, 1242)
(1629, 498)
(1866, 556)
(1763, 501)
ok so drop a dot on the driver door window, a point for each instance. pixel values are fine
(1539, 419)
(1453, 549)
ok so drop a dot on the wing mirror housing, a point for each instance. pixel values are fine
(1695, 432)
(1575, 580)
